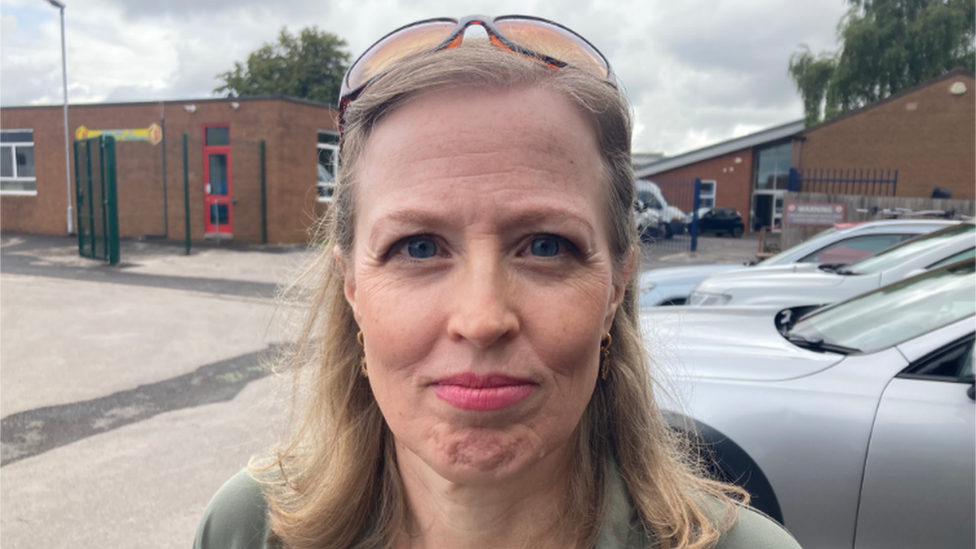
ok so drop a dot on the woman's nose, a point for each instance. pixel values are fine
(483, 312)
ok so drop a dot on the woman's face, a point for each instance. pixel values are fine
(482, 278)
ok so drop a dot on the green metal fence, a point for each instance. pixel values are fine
(97, 199)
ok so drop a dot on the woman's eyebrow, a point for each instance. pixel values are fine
(561, 216)
(412, 218)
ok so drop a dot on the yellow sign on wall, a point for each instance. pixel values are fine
(152, 134)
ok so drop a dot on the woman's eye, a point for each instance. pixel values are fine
(545, 246)
(421, 248)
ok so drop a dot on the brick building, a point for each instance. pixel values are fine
(927, 133)
(224, 139)
(734, 173)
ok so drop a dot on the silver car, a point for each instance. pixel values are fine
(671, 286)
(854, 429)
(809, 286)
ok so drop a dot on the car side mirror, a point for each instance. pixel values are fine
(972, 391)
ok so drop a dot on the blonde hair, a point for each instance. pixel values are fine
(334, 483)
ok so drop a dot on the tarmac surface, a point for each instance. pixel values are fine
(131, 393)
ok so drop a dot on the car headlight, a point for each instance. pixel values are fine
(703, 299)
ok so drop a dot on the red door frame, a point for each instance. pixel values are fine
(209, 227)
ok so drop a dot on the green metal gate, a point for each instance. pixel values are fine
(97, 199)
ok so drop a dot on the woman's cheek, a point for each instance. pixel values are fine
(402, 320)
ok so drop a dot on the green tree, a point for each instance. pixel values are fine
(886, 46)
(310, 66)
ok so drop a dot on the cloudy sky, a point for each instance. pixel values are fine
(696, 71)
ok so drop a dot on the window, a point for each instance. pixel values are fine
(217, 135)
(650, 201)
(17, 162)
(920, 245)
(773, 167)
(954, 363)
(965, 254)
(706, 199)
(851, 249)
(328, 166)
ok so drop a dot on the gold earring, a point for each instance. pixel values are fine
(605, 356)
(362, 361)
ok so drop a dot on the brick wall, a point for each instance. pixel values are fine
(732, 174)
(295, 191)
(289, 129)
(927, 135)
(46, 212)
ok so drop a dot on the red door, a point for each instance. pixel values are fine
(218, 218)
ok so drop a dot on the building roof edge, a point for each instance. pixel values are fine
(719, 149)
(288, 98)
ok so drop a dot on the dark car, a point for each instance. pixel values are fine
(721, 221)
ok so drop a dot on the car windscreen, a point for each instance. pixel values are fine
(650, 200)
(783, 257)
(893, 256)
(895, 313)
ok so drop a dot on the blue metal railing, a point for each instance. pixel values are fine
(844, 181)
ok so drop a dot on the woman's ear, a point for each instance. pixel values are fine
(620, 288)
(348, 278)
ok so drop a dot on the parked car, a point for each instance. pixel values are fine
(856, 427)
(645, 218)
(671, 286)
(805, 286)
(665, 220)
(721, 221)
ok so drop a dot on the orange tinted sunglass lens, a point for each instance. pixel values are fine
(552, 41)
(397, 47)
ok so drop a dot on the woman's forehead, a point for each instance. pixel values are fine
(491, 147)
(464, 132)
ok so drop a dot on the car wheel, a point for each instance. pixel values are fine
(666, 231)
(726, 461)
(645, 235)
(737, 231)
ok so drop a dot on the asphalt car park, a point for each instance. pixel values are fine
(131, 393)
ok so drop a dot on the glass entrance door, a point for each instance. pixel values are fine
(767, 209)
(218, 218)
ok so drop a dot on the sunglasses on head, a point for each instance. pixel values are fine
(545, 41)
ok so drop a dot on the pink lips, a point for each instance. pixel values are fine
(482, 393)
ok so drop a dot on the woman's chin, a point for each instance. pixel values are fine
(481, 454)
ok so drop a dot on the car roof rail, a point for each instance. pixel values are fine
(896, 213)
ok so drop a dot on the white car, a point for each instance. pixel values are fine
(663, 219)
(807, 286)
(671, 286)
(856, 428)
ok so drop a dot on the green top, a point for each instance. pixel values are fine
(236, 518)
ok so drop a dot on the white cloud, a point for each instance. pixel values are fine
(697, 71)
(7, 24)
